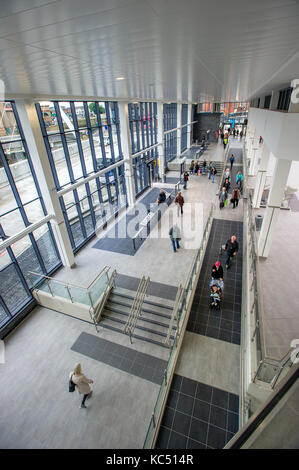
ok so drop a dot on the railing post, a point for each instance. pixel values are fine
(69, 292)
(153, 419)
(165, 376)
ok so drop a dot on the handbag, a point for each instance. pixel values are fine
(72, 386)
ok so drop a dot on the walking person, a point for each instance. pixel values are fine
(82, 383)
(179, 201)
(217, 271)
(241, 134)
(161, 197)
(239, 181)
(204, 166)
(185, 178)
(232, 247)
(209, 168)
(236, 196)
(225, 140)
(227, 174)
(213, 173)
(175, 236)
(226, 184)
(191, 168)
(222, 198)
(196, 168)
(232, 159)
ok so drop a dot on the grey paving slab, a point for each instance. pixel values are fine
(134, 362)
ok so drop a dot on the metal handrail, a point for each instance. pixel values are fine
(174, 315)
(135, 311)
(223, 169)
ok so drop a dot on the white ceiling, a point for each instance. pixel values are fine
(186, 50)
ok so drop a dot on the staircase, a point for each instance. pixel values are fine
(153, 324)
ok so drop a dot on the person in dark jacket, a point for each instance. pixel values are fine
(204, 165)
(196, 168)
(217, 271)
(232, 247)
(235, 197)
(185, 178)
(179, 200)
(226, 184)
(222, 198)
(161, 197)
(213, 173)
(232, 159)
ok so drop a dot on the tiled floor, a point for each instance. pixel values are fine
(198, 416)
(223, 324)
(119, 240)
(157, 289)
(126, 359)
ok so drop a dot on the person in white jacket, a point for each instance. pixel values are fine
(82, 383)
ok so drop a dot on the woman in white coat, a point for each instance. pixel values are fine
(82, 383)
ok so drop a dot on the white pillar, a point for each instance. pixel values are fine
(189, 128)
(179, 131)
(127, 151)
(276, 195)
(160, 129)
(261, 177)
(34, 138)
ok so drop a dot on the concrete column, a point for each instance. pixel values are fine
(34, 138)
(161, 139)
(261, 177)
(189, 128)
(179, 131)
(253, 154)
(276, 195)
(127, 151)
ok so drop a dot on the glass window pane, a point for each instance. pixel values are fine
(18, 163)
(11, 288)
(3, 316)
(92, 113)
(73, 218)
(49, 116)
(27, 259)
(7, 199)
(74, 155)
(12, 223)
(46, 247)
(8, 126)
(86, 151)
(80, 113)
(34, 211)
(59, 159)
(66, 115)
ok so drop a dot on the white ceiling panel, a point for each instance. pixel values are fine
(166, 49)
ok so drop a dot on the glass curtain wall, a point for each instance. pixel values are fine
(184, 129)
(170, 139)
(81, 139)
(21, 204)
(143, 130)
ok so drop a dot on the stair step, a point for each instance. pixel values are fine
(121, 318)
(125, 310)
(127, 302)
(109, 326)
(131, 295)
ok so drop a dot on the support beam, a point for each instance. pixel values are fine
(160, 137)
(261, 177)
(189, 130)
(34, 138)
(276, 195)
(127, 151)
(179, 131)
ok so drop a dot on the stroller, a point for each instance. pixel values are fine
(216, 293)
